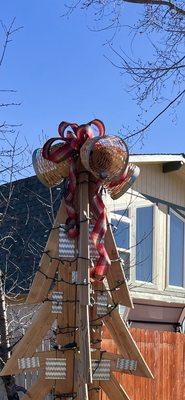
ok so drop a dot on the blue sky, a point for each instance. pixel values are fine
(58, 68)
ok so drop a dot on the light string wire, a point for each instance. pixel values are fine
(115, 226)
(55, 279)
(73, 329)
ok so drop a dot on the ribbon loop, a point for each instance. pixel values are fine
(55, 153)
(64, 125)
(100, 125)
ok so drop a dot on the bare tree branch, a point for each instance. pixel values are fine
(165, 3)
(157, 116)
(8, 31)
(153, 76)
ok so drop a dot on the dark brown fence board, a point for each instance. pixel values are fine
(165, 354)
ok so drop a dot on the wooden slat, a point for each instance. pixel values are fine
(125, 343)
(113, 389)
(84, 342)
(83, 241)
(41, 285)
(84, 373)
(81, 389)
(116, 274)
(42, 358)
(64, 386)
(114, 359)
(71, 321)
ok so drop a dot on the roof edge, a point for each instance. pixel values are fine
(156, 158)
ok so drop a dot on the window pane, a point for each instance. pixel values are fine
(121, 230)
(176, 250)
(126, 263)
(144, 243)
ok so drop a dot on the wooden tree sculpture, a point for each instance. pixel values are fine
(80, 280)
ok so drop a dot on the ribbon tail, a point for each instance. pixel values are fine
(72, 227)
(98, 234)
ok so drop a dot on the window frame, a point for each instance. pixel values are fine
(122, 218)
(142, 203)
(148, 285)
(173, 288)
(119, 217)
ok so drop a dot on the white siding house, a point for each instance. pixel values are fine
(149, 226)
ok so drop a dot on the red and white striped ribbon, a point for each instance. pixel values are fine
(69, 148)
(99, 271)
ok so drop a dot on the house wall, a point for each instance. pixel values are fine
(166, 189)
(167, 186)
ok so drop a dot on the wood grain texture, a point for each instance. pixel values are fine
(165, 355)
(94, 393)
(84, 370)
(83, 240)
(113, 389)
(115, 275)
(127, 347)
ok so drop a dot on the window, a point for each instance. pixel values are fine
(176, 249)
(121, 224)
(151, 242)
(121, 230)
(144, 244)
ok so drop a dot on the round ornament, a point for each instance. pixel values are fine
(48, 172)
(105, 157)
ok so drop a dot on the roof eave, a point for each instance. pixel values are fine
(156, 159)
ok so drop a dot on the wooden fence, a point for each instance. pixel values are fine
(165, 355)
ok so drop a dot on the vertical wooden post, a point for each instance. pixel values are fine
(83, 247)
(84, 370)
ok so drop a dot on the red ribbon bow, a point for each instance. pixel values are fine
(72, 141)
